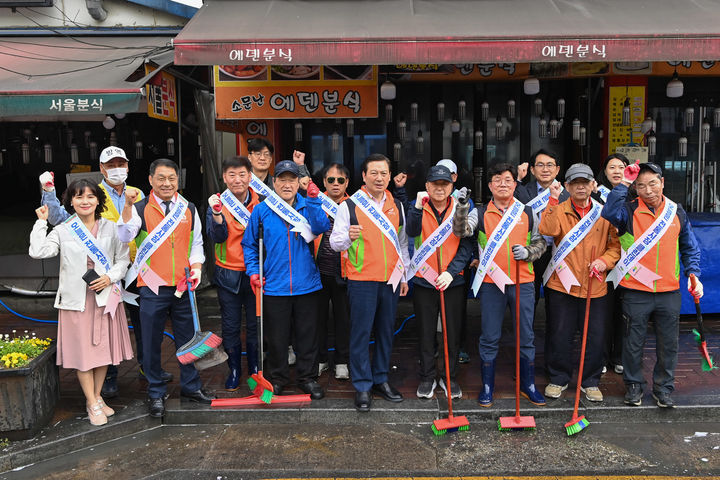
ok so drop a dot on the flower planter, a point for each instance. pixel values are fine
(28, 396)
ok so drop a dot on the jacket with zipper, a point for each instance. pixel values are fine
(289, 264)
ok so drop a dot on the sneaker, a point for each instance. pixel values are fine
(426, 389)
(592, 393)
(663, 400)
(619, 369)
(633, 394)
(291, 356)
(454, 387)
(341, 371)
(554, 391)
(463, 357)
(604, 370)
(322, 367)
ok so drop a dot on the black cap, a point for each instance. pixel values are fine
(653, 167)
(439, 172)
(287, 166)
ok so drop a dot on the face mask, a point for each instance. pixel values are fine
(116, 176)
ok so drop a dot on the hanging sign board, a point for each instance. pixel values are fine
(162, 96)
(619, 135)
(634, 152)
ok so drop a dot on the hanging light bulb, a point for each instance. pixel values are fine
(298, 132)
(554, 128)
(674, 87)
(119, 116)
(478, 140)
(626, 113)
(542, 128)
(511, 109)
(402, 130)
(68, 136)
(538, 107)
(171, 147)
(138, 150)
(484, 111)
(419, 143)
(441, 112)
(561, 108)
(531, 86)
(499, 132)
(455, 126)
(462, 109)
(651, 143)
(94, 151)
(74, 156)
(682, 146)
(414, 112)
(583, 136)
(335, 141)
(646, 125)
(689, 117)
(25, 153)
(387, 90)
(388, 113)
(108, 123)
(706, 130)
(48, 153)
(716, 117)
(350, 127)
(397, 151)
(576, 129)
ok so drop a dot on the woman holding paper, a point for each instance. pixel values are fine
(92, 327)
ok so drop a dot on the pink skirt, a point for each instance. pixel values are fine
(92, 338)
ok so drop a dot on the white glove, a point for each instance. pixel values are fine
(215, 203)
(463, 195)
(419, 200)
(520, 252)
(443, 281)
(47, 181)
(195, 275)
(698, 292)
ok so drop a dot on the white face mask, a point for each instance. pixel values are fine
(116, 176)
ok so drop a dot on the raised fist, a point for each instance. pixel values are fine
(215, 203)
(130, 196)
(463, 195)
(298, 157)
(522, 170)
(312, 190)
(400, 179)
(421, 199)
(631, 172)
(555, 190)
(42, 213)
(47, 181)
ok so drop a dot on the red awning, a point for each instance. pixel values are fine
(390, 32)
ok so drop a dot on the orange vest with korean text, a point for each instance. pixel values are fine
(447, 250)
(229, 254)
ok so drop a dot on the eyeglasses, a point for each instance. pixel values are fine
(262, 154)
(502, 181)
(543, 166)
(340, 180)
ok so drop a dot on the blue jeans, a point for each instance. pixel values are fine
(493, 303)
(231, 306)
(154, 310)
(664, 310)
(372, 309)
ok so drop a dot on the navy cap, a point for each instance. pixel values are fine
(287, 166)
(439, 172)
(653, 167)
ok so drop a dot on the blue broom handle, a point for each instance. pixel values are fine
(193, 304)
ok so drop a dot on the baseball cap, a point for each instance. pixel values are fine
(112, 152)
(287, 166)
(579, 170)
(449, 164)
(439, 172)
(653, 167)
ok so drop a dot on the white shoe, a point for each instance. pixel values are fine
(604, 370)
(592, 393)
(322, 367)
(554, 391)
(341, 371)
(619, 369)
(291, 356)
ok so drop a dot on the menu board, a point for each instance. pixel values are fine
(619, 135)
(295, 91)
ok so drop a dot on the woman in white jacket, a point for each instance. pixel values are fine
(92, 327)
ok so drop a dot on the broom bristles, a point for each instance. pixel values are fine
(211, 342)
(576, 425)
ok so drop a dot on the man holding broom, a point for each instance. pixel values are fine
(167, 230)
(578, 230)
(506, 233)
(656, 235)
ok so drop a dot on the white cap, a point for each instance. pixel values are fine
(112, 152)
(449, 164)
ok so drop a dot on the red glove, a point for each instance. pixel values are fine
(313, 191)
(216, 205)
(255, 283)
(180, 289)
(631, 172)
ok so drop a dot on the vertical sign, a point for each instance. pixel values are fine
(162, 96)
(617, 134)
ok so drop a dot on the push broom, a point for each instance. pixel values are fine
(579, 423)
(452, 423)
(506, 424)
(202, 343)
(707, 360)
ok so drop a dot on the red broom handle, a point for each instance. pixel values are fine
(445, 339)
(517, 338)
(584, 339)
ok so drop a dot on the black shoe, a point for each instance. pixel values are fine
(109, 388)
(156, 406)
(277, 389)
(363, 400)
(166, 377)
(633, 394)
(199, 396)
(663, 400)
(387, 391)
(313, 388)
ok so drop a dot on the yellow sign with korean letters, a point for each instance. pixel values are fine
(618, 134)
(162, 96)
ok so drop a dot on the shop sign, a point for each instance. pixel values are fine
(68, 104)
(162, 96)
(301, 91)
(619, 135)
(634, 152)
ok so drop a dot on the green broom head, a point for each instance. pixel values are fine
(576, 426)
(251, 383)
(266, 396)
(438, 433)
(707, 360)
(697, 336)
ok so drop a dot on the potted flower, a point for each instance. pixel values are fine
(29, 384)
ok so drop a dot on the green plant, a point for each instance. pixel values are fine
(17, 351)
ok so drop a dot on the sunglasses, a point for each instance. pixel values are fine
(340, 180)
